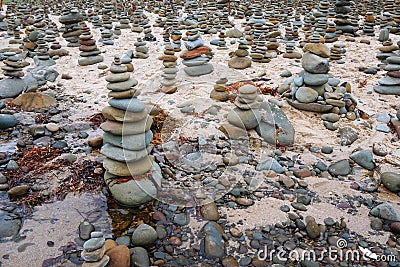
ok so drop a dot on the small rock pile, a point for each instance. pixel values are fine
(13, 85)
(94, 251)
(127, 140)
(240, 59)
(72, 28)
(169, 71)
(219, 92)
(316, 91)
(141, 49)
(90, 54)
(197, 56)
(390, 84)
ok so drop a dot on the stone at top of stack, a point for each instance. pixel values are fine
(127, 140)
(90, 54)
(390, 83)
(197, 56)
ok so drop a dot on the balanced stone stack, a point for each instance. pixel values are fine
(390, 84)
(343, 19)
(170, 70)
(316, 91)
(313, 80)
(337, 52)
(124, 22)
(246, 115)
(290, 53)
(369, 24)
(197, 56)
(148, 34)
(176, 37)
(240, 60)
(272, 46)
(72, 29)
(131, 174)
(219, 92)
(141, 49)
(330, 36)
(258, 52)
(94, 251)
(90, 54)
(106, 37)
(222, 42)
(13, 67)
(42, 56)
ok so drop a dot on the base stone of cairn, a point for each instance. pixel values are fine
(90, 54)
(196, 64)
(131, 174)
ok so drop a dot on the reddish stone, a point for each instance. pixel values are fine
(197, 52)
(87, 42)
(303, 173)
(394, 74)
(159, 216)
(395, 227)
(120, 256)
(85, 48)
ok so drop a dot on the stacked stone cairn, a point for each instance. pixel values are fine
(90, 54)
(72, 28)
(337, 52)
(222, 42)
(258, 52)
(330, 36)
(369, 24)
(13, 67)
(197, 56)
(106, 37)
(127, 140)
(176, 37)
(219, 92)
(290, 53)
(343, 17)
(141, 49)
(246, 115)
(390, 83)
(240, 59)
(94, 251)
(314, 90)
(170, 70)
(42, 56)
